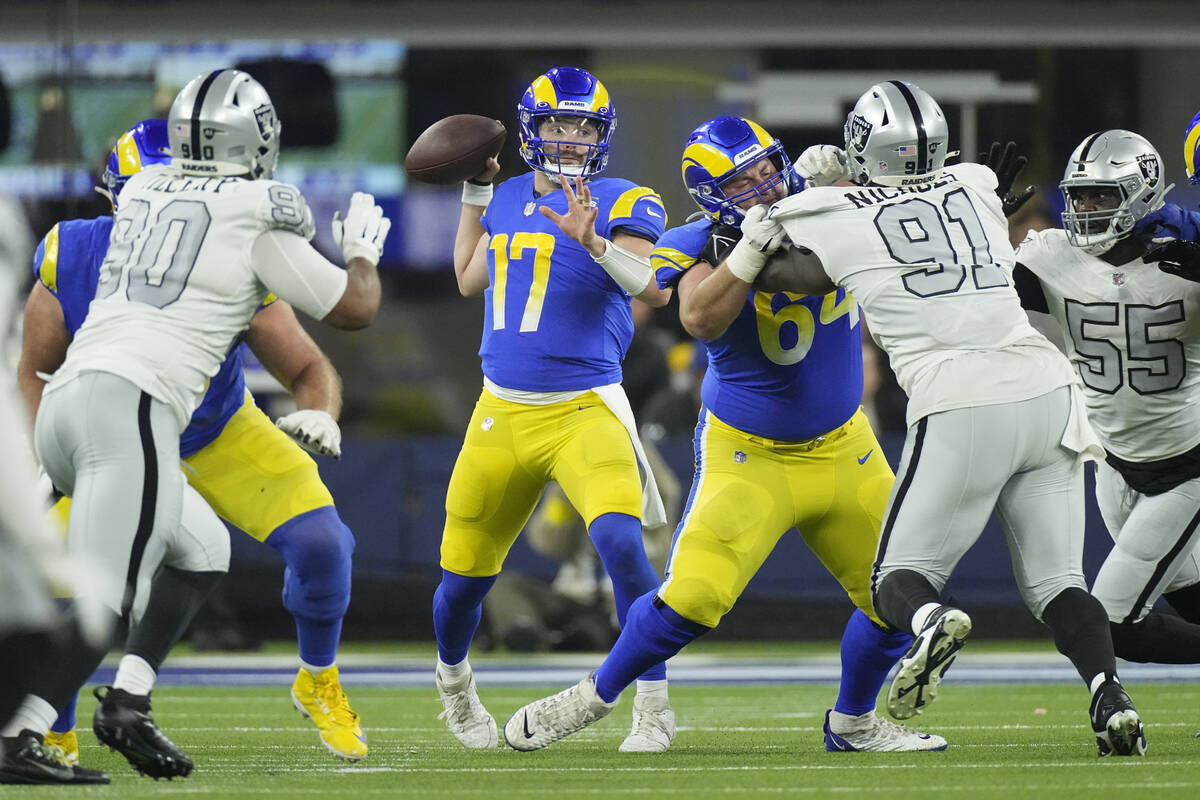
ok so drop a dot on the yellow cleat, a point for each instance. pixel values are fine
(67, 742)
(320, 698)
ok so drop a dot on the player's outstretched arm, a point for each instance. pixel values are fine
(43, 346)
(626, 258)
(709, 300)
(792, 269)
(361, 236)
(471, 240)
(290, 354)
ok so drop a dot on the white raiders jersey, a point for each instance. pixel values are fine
(177, 285)
(1133, 332)
(931, 266)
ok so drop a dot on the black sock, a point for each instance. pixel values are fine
(1158, 639)
(175, 597)
(898, 596)
(1186, 602)
(1081, 632)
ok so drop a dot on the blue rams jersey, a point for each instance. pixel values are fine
(789, 367)
(67, 262)
(554, 320)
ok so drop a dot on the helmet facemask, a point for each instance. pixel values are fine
(548, 150)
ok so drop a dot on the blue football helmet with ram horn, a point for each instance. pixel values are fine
(1191, 148)
(722, 149)
(567, 92)
(144, 144)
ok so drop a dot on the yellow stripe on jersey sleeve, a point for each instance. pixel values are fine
(625, 203)
(48, 269)
(669, 257)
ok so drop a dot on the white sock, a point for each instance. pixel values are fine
(135, 675)
(652, 689)
(842, 722)
(453, 673)
(921, 618)
(313, 669)
(33, 714)
(1100, 678)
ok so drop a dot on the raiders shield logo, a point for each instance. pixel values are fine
(1150, 167)
(265, 116)
(859, 131)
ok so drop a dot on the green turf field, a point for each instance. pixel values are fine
(734, 741)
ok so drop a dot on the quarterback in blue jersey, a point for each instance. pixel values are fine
(253, 473)
(557, 254)
(781, 442)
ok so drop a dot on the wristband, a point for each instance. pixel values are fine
(475, 194)
(631, 272)
(745, 262)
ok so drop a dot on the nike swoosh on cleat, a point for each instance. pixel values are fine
(901, 692)
(528, 733)
(863, 460)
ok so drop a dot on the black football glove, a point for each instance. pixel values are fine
(1007, 165)
(1176, 257)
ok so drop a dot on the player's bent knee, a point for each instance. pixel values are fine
(317, 547)
(698, 600)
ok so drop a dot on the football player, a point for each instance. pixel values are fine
(300, 521)
(994, 418)
(1127, 307)
(781, 442)
(557, 253)
(197, 247)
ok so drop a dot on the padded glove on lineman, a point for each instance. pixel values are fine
(314, 430)
(760, 238)
(1176, 257)
(363, 230)
(823, 165)
(1007, 165)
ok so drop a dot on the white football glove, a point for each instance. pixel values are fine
(760, 238)
(314, 430)
(823, 165)
(362, 231)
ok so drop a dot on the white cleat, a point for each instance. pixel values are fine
(916, 683)
(653, 726)
(465, 716)
(870, 733)
(545, 721)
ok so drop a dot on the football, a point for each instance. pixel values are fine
(454, 148)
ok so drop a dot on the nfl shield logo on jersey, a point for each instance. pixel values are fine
(1118, 278)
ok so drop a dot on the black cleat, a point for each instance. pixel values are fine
(916, 682)
(26, 760)
(1116, 723)
(122, 721)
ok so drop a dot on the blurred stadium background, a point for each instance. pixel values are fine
(355, 82)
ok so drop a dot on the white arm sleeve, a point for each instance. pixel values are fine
(290, 267)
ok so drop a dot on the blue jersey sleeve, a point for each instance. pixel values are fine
(677, 250)
(67, 262)
(638, 210)
(1171, 221)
